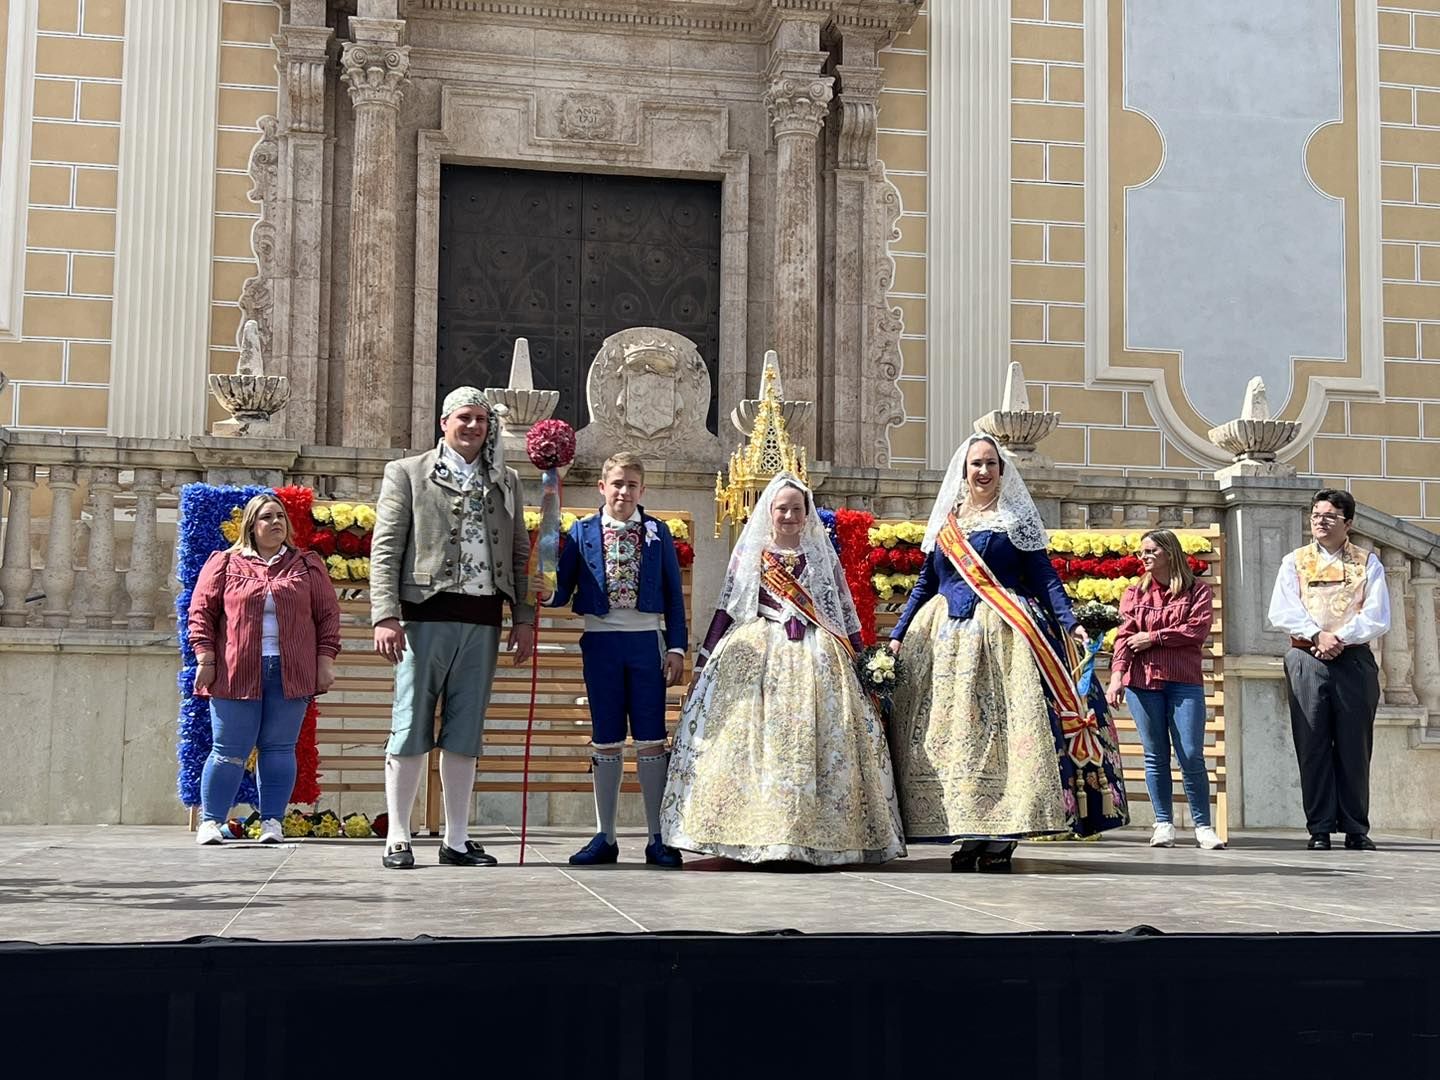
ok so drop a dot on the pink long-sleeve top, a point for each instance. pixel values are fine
(1179, 626)
(227, 612)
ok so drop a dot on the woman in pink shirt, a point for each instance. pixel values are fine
(265, 627)
(1164, 621)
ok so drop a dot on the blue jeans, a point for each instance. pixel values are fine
(1178, 710)
(271, 724)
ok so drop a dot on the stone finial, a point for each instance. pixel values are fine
(795, 413)
(1015, 425)
(249, 396)
(525, 406)
(1254, 440)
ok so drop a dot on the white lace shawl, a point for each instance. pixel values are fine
(822, 577)
(1015, 511)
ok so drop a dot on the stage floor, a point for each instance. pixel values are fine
(132, 884)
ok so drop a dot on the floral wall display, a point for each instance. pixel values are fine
(209, 521)
(1095, 567)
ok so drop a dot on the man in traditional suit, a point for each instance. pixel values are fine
(449, 549)
(1330, 597)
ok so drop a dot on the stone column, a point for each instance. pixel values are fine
(842, 380)
(165, 221)
(798, 99)
(301, 251)
(374, 66)
(969, 225)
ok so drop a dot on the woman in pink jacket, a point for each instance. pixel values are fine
(1164, 621)
(265, 627)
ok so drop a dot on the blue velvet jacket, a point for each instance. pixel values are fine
(1027, 573)
(581, 573)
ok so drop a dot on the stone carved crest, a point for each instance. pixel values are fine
(649, 391)
(589, 117)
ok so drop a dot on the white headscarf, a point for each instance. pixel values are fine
(491, 460)
(1015, 512)
(822, 577)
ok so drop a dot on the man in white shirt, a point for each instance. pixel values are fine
(1330, 597)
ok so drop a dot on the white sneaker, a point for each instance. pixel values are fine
(1164, 835)
(209, 833)
(1208, 838)
(271, 831)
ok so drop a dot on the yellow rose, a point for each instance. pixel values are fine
(321, 514)
(1108, 641)
(532, 520)
(912, 532)
(359, 569)
(1062, 543)
(343, 515)
(364, 517)
(678, 529)
(339, 569)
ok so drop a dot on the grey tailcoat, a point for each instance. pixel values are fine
(415, 550)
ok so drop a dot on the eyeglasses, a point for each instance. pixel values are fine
(1324, 519)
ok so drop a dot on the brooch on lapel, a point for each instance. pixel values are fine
(442, 471)
(652, 533)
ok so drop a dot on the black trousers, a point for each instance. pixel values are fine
(1332, 716)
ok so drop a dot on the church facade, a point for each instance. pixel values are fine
(1145, 203)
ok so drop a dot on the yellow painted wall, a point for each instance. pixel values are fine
(61, 370)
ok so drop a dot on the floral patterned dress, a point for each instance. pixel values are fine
(980, 750)
(779, 754)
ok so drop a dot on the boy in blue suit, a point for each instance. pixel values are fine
(621, 568)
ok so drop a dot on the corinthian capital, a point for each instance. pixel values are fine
(798, 103)
(375, 73)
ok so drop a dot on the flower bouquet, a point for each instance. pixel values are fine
(879, 671)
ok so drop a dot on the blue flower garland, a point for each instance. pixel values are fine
(203, 509)
(827, 517)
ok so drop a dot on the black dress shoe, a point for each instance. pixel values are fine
(1359, 842)
(398, 856)
(473, 855)
(963, 861)
(1319, 842)
(996, 862)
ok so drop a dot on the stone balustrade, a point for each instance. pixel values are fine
(89, 528)
(89, 522)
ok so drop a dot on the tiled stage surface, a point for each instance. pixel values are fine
(126, 884)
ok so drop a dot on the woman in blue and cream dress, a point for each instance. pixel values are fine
(992, 740)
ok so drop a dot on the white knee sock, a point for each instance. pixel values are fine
(402, 783)
(457, 783)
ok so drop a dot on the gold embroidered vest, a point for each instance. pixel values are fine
(1332, 591)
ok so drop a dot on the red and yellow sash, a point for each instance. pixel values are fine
(782, 583)
(968, 563)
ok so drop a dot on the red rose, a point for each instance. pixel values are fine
(323, 542)
(550, 444)
(684, 552)
(365, 550)
(348, 544)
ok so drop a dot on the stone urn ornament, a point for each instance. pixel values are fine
(1015, 425)
(249, 396)
(796, 414)
(1254, 441)
(524, 406)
